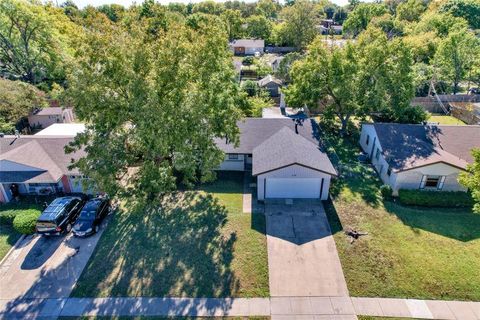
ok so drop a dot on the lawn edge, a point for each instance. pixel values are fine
(9, 252)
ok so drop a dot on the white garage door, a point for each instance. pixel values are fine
(293, 188)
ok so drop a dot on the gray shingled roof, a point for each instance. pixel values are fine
(406, 146)
(253, 131)
(45, 155)
(285, 148)
(249, 43)
(264, 81)
(49, 111)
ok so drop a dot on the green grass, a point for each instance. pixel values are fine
(195, 244)
(8, 235)
(447, 120)
(408, 252)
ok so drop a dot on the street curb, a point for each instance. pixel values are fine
(22, 237)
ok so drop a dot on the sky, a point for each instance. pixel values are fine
(126, 3)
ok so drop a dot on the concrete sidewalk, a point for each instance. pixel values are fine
(336, 308)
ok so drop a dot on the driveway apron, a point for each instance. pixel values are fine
(302, 256)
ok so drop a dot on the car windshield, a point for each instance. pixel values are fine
(87, 215)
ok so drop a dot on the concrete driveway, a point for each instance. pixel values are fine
(302, 256)
(42, 268)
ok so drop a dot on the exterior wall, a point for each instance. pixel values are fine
(3, 195)
(411, 179)
(68, 115)
(43, 121)
(233, 164)
(252, 50)
(380, 165)
(66, 184)
(293, 171)
(273, 89)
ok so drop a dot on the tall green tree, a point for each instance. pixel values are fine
(411, 10)
(233, 22)
(17, 99)
(259, 27)
(328, 78)
(268, 8)
(467, 9)
(299, 27)
(471, 179)
(33, 41)
(456, 56)
(153, 107)
(360, 17)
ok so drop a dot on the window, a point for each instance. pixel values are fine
(368, 140)
(432, 182)
(232, 156)
(377, 154)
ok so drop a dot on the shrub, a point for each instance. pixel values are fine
(24, 221)
(10, 210)
(6, 217)
(247, 61)
(435, 198)
(386, 191)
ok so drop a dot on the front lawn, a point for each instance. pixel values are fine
(196, 244)
(408, 252)
(8, 235)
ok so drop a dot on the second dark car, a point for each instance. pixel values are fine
(91, 216)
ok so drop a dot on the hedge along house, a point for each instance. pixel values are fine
(283, 155)
(424, 157)
(37, 165)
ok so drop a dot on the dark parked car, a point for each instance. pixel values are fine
(60, 215)
(91, 216)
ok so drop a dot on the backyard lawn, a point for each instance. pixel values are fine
(408, 252)
(196, 244)
(446, 120)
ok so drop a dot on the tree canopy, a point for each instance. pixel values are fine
(155, 105)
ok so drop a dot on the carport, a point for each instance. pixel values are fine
(289, 166)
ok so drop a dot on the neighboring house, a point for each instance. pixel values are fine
(424, 157)
(37, 165)
(42, 118)
(247, 46)
(284, 157)
(62, 129)
(271, 84)
(328, 24)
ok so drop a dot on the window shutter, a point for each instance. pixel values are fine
(441, 183)
(422, 183)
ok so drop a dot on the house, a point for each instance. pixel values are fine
(37, 165)
(62, 129)
(247, 46)
(415, 156)
(283, 155)
(328, 25)
(42, 118)
(271, 84)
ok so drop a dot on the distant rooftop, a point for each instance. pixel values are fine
(48, 111)
(62, 129)
(252, 43)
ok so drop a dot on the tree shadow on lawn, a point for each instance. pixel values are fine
(174, 247)
(454, 223)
